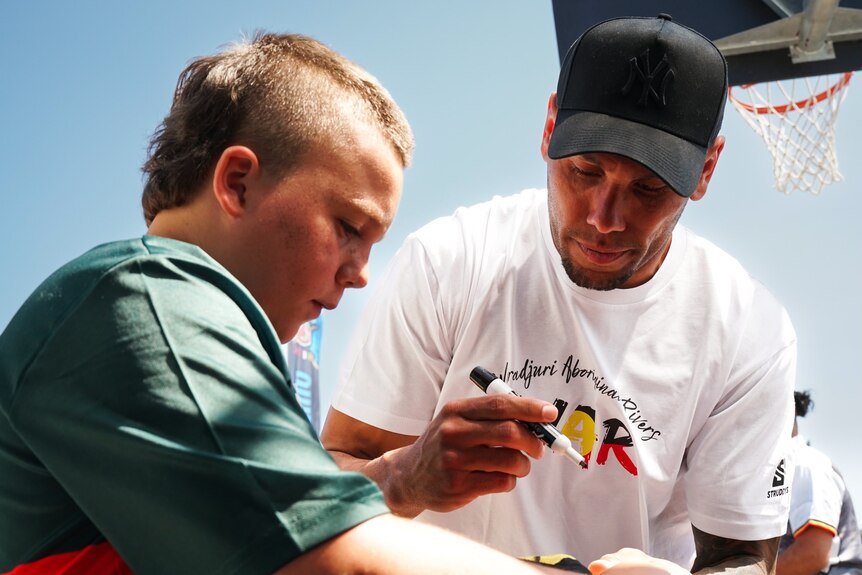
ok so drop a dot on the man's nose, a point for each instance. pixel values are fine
(605, 209)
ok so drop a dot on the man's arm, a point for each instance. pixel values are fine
(808, 554)
(473, 447)
(391, 545)
(732, 556)
(357, 446)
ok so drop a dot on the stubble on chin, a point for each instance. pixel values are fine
(588, 280)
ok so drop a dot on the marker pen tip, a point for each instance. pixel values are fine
(573, 454)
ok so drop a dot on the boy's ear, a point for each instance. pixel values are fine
(236, 166)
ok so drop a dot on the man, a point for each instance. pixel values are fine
(147, 422)
(670, 367)
(822, 534)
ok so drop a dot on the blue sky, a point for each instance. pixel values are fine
(84, 84)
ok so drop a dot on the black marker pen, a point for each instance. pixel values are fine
(550, 435)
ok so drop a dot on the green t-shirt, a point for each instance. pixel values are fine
(145, 401)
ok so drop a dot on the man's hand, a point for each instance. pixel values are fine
(471, 448)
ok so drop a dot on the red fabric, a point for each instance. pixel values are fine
(99, 559)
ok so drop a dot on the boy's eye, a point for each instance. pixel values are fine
(349, 229)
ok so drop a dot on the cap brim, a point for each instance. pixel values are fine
(676, 161)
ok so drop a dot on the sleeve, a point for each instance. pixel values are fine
(399, 353)
(738, 467)
(817, 494)
(157, 408)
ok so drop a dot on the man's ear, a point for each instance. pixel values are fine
(708, 168)
(550, 119)
(235, 169)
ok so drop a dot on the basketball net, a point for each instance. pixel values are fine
(796, 118)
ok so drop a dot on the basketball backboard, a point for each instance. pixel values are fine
(758, 37)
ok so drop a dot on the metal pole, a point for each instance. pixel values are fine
(815, 24)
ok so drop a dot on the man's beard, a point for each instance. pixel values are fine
(588, 281)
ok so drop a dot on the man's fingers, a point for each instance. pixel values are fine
(488, 459)
(505, 407)
(474, 447)
(491, 482)
(457, 433)
(468, 486)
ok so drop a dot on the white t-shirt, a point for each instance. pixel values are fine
(819, 498)
(678, 391)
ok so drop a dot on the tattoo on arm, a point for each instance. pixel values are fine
(732, 556)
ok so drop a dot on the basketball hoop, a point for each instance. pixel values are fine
(799, 132)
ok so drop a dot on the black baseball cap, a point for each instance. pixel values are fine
(645, 88)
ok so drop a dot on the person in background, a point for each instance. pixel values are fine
(147, 421)
(670, 367)
(822, 533)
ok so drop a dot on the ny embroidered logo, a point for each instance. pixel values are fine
(778, 478)
(654, 82)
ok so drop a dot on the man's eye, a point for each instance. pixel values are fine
(583, 172)
(654, 189)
